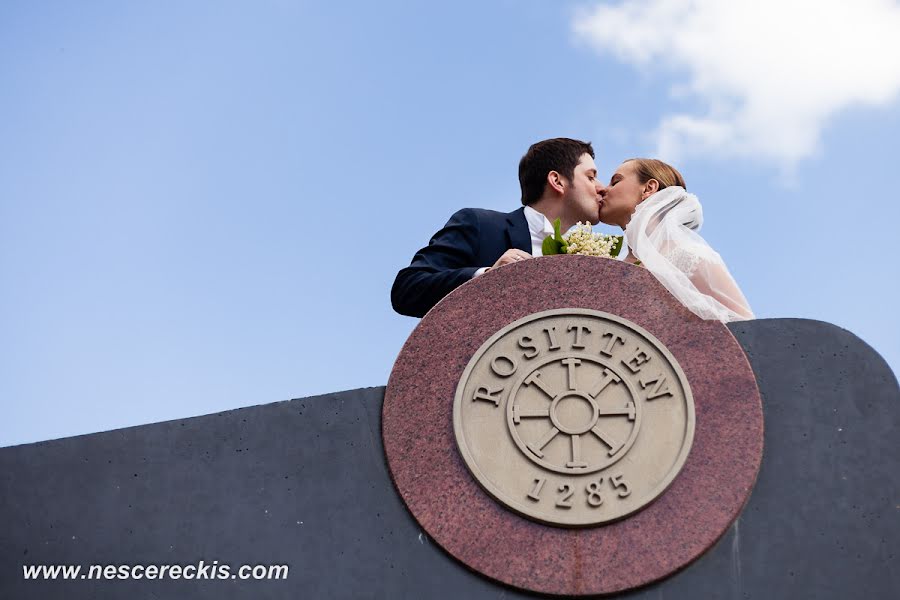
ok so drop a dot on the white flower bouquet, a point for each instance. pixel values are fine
(582, 240)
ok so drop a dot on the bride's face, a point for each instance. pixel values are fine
(622, 195)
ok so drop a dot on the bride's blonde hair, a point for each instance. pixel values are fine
(651, 168)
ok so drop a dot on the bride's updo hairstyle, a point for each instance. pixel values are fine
(651, 168)
(667, 176)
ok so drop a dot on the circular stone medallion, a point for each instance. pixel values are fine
(573, 417)
(669, 489)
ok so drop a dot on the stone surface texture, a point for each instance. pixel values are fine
(678, 527)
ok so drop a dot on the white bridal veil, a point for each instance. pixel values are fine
(661, 234)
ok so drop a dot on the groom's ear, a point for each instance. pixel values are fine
(556, 181)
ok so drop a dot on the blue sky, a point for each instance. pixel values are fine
(203, 206)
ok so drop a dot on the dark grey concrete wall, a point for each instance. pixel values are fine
(304, 483)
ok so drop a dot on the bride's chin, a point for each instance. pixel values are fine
(607, 219)
(602, 217)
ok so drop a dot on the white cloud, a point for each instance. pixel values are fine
(768, 73)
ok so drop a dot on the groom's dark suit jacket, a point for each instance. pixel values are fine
(471, 239)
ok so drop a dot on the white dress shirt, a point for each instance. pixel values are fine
(539, 227)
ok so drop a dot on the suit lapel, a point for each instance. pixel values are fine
(517, 233)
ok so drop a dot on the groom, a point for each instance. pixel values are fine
(558, 180)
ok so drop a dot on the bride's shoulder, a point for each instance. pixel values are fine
(686, 256)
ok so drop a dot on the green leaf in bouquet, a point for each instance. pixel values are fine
(556, 243)
(617, 246)
(562, 246)
(549, 246)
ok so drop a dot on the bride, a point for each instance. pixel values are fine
(647, 198)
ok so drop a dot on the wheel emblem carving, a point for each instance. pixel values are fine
(574, 417)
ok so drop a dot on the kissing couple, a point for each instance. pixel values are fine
(647, 198)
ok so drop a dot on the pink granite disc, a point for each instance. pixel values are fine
(686, 520)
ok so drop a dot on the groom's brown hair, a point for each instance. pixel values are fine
(557, 154)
